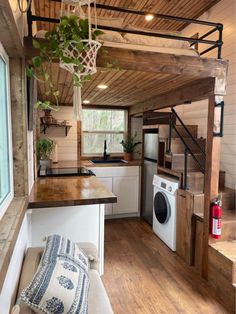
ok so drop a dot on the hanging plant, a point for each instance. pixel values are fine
(69, 44)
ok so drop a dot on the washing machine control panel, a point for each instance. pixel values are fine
(169, 189)
(165, 183)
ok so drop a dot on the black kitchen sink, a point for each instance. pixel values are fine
(109, 161)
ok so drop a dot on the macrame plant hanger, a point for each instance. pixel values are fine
(87, 57)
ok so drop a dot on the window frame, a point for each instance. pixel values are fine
(8, 198)
(125, 132)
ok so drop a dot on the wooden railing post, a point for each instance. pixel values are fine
(211, 181)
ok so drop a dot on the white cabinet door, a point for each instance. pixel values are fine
(127, 191)
(108, 183)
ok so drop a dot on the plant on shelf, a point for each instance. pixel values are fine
(129, 146)
(67, 43)
(44, 148)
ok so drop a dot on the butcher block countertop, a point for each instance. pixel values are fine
(69, 191)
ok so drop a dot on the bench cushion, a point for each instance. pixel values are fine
(98, 301)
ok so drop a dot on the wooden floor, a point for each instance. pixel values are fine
(143, 276)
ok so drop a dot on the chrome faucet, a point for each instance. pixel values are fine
(105, 155)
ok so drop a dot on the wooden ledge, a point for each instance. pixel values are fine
(9, 229)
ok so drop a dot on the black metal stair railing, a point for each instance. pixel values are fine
(188, 148)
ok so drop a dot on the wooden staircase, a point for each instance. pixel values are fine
(222, 272)
(222, 253)
(174, 159)
(174, 155)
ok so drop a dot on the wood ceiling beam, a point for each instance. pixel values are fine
(197, 90)
(9, 33)
(94, 106)
(156, 62)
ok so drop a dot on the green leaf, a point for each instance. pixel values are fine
(36, 44)
(46, 76)
(37, 61)
(29, 72)
(56, 93)
(97, 32)
(66, 59)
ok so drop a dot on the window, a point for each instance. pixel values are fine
(6, 175)
(103, 124)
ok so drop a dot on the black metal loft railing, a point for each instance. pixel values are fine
(188, 148)
(214, 44)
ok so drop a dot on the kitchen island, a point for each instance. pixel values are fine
(71, 206)
(69, 191)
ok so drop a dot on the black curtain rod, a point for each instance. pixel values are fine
(161, 16)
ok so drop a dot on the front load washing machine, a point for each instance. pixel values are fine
(164, 209)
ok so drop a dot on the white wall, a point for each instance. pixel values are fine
(66, 145)
(196, 113)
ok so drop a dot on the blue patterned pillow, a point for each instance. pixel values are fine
(58, 246)
(61, 282)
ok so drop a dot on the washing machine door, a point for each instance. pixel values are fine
(162, 208)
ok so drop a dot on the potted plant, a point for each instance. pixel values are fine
(45, 148)
(129, 145)
(70, 35)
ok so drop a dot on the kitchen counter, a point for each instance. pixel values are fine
(69, 191)
(88, 163)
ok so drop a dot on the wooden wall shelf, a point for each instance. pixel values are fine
(45, 126)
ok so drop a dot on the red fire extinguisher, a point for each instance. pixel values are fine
(216, 215)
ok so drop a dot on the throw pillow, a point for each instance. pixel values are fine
(58, 246)
(59, 287)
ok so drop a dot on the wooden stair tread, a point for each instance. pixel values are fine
(176, 173)
(227, 215)
(227, 190)
(226, 248)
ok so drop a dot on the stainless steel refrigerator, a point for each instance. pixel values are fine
(150, 168)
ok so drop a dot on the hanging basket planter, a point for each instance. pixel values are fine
(74, 43)
(83, 64)
(86, 58)
(82, 55)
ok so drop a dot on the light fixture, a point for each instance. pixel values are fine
(149, 17)
(86, 102)
(102, 86)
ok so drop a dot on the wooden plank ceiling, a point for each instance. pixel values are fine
(182, 8)
(126, 88)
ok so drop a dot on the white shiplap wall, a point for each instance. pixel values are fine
(224, 12)
(66, 145)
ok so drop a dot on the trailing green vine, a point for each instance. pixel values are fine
(70, 30)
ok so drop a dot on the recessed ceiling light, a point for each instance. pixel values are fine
(149, 17)
(102, 86)
(86, 102)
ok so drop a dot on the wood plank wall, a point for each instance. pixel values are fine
(136, 126)
(196, 113)
(66, 145)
